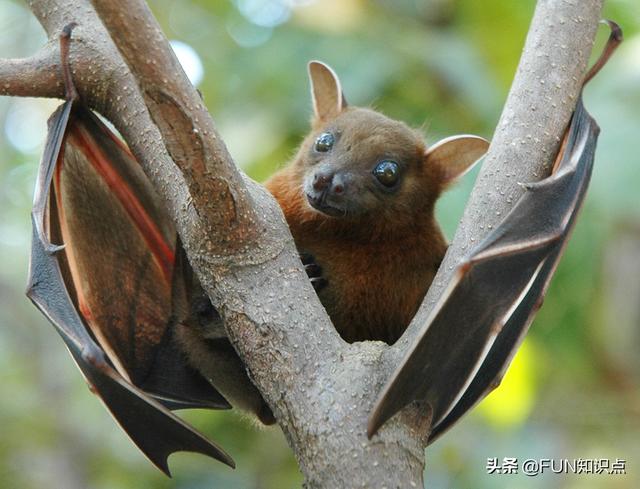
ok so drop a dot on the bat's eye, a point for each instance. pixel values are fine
(324, 142)
(387, 173)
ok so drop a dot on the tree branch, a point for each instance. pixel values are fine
(215, 184)
(36, 76)
(540, 103)
(301, 369)
(320, 388)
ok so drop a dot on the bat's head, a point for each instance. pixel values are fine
(358, 162)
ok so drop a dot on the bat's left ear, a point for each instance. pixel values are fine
(456, 155)
(326, 91)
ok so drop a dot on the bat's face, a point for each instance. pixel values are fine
(361, 162)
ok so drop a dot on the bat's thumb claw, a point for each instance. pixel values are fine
(527, 186)
(51, 248)
(66, 31)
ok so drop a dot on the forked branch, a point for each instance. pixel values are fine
(320, 389)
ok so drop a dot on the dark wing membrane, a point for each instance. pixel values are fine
(128, 305)
(55, 137)
(479, 320)
(152, 427)
(579, 159)
(119, 262)
(116, 245)
(171, 380)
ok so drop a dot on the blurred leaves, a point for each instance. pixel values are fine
(511, 404)
(443, 65)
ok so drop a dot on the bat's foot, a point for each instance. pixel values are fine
(204, 310)
(314, 271)
(265, 415)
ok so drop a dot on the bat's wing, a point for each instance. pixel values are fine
(110, 285)
(481, 318)
(120, 257)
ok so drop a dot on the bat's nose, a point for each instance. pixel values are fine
(328, 182)
(321, 181)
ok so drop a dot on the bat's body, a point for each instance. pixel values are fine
(359, 196)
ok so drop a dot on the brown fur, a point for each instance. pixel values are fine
(379, 260)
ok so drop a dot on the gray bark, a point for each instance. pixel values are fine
(320, 388)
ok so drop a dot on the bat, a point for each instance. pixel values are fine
(98, 222)
(477, 324)
(118, 284)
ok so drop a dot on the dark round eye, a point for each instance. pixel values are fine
(324, 142)
(387, 173)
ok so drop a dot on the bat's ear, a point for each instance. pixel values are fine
(326, 91)
(456, 155)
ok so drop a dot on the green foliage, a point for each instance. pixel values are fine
(444, 65)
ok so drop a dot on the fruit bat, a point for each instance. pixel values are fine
(108, 271)
(118, 285)
(475, 327)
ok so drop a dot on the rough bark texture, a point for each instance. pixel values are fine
(320, 388)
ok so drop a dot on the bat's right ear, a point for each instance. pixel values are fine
(326, 92)
(456, 155)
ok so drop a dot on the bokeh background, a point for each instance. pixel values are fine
(445, 65)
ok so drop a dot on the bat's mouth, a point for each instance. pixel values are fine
(319, 203)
